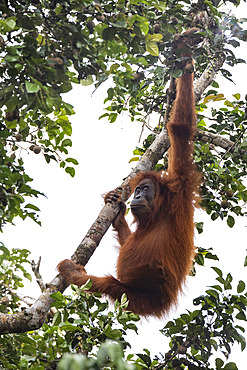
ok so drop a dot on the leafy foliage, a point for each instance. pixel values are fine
(80, 324)
(12, 264)
(47, 46)
(224, 192)
(196, 336)
(84, 333)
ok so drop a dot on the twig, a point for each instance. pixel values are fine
(35, 268)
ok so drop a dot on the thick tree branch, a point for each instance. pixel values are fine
(208, 75)
(217, 140)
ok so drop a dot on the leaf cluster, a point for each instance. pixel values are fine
(223, 192)
(13, 264)
(210, 329)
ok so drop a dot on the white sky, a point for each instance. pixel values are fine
(103, 151)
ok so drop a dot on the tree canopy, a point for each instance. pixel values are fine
(46, 47)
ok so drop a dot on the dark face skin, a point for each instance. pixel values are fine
(143, 200)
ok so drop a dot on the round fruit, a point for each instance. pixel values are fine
(189, 68)
(168, 355)
(224, 204)
(37, 149)
(174, 21)
(157, 27)
(178, 38)
(182, 350)
(18, 137)
(90, 25)
(175, 362)
(11, 116)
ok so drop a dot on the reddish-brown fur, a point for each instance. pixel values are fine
(154, 260)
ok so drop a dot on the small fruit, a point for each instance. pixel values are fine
(157, 27)
(90, 25)
(32, 147)
(182, 349)
(178, 38)
(11, 116)
(174, 21)
(37, 149)
(175, 362)
(13, 156)
(189, 68)
(137, 76)
(224, 204)
(18, 137)
(168, 355)
(229, 193)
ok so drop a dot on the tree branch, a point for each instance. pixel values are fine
(228, 145)
(35, 268)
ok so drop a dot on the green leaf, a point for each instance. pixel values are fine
(32, 87)
(217, 270)
(241, 316)
(237, 96)
(162, 5)
(219, 363)
(241, 286)
(245, 262)
(199, 227)
(87, 285)
(11, 23)
(156, 37)
(5, 251)
(67, 326)
(227, 284)
(31, 206)
(57, 318)
(152, 48)
(88, 81)
(114, 334)
(70, 170)
(177, 73)
(145, 358)
(134, 159)
(72, 160)
(120, 24)
(230, 221)
(230, 366)
(67, 142)
(57, 296)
